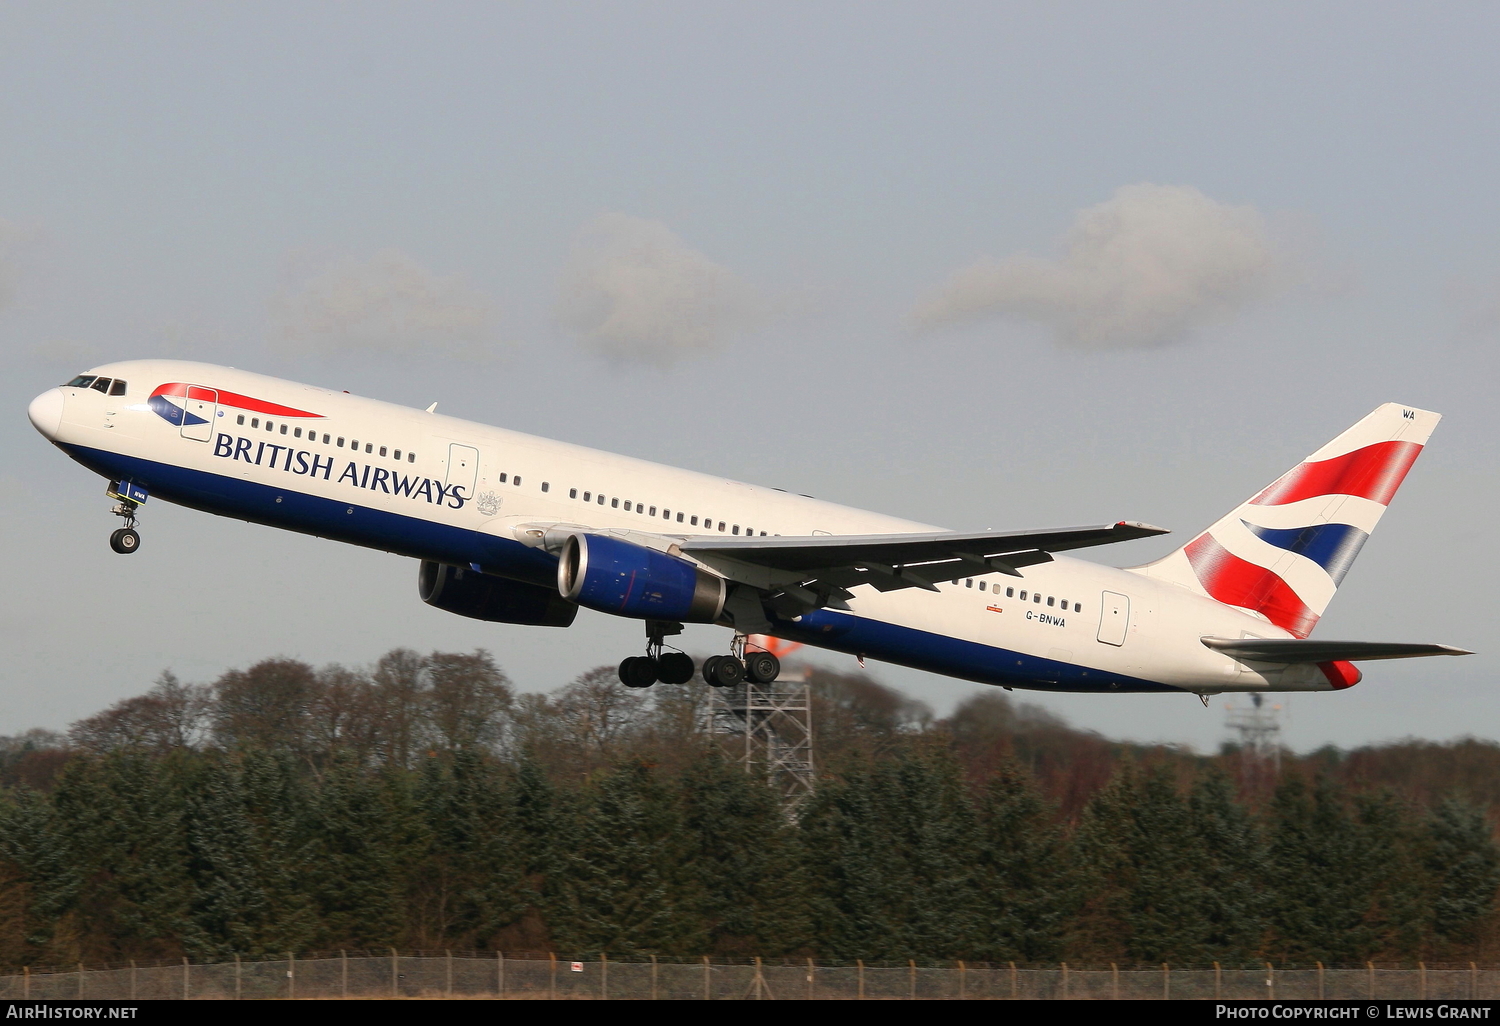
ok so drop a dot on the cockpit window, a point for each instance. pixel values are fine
(101, 385)
(82, 381)
(118, 388)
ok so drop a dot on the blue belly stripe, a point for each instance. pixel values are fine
(423, 539)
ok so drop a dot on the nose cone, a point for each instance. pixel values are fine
(46, 412)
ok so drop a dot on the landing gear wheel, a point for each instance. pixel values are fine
(638, 672)
(675, 668)
(727, 671)
(125, 541)
(762, 667)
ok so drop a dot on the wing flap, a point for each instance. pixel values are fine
(1294, 650)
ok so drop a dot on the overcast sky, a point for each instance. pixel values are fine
(983, 265)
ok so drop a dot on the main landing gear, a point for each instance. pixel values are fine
(719, 671)
(126, 539)
(656, 665)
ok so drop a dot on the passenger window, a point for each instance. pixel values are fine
(653, 511)
(1077, 607)
(666, 514)
(1049, 600)
(517, 481)
(504, 477)
(721, 525)
(101, 385)
(369, 446)
(749, 530)
(341, 441)
(1023, 596)
(118, 388)
(762, 534)
(382, 450)
(695, 521)
(296, 432)
(240, 419)
(573, 494)
(546, 486)
(397, 454)
(588, 496)
(969, 583)
(411, 457)
(680, 516)
(270, 426)
(326, 437)
(255, 423)
(615, 504)
(1037, 597)
(736, 528)
(354, 444)
(601, 498)
(283, 429)
(982, 586)
(627, 505)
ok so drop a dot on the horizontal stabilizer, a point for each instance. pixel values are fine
(1293, 650)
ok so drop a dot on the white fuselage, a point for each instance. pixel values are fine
(459, 491)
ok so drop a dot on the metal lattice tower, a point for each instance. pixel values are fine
(1259, 728)
(771, 725)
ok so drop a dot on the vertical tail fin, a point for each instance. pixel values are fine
(1283, 552)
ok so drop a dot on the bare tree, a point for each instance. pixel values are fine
(267, 705)
(170, 715)
(468, 699)
(398, 704)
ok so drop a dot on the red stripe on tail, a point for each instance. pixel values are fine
(1235, 582)
(1374, 472)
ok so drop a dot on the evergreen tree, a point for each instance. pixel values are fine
(1027, 885)
(619, 885)
(249, 855)
(1233, 871)
(743, 860)
(1463, 865)
(365, 836)
(1142, 857)
(120, 825)
(892, 853)
(1324, 877)
(472, 881)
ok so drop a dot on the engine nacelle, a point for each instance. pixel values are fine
(455, 589)
(619, 577)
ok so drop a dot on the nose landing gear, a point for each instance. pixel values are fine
(130, 496)
(127, 539)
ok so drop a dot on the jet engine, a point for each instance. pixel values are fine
(455, 589)
(620, 577)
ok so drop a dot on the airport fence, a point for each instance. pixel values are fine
(495, 975)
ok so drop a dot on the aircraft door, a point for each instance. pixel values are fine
(463, 468)
(1114, 618)
(199, 408)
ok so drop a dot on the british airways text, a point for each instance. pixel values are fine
(360, 475)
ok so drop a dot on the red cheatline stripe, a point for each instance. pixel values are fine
(1341, 674)
(239, 402)
(1374, 472)
(1233, 581)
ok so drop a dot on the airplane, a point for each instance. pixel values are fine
(513, 528)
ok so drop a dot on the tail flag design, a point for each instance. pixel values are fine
(1284, 552)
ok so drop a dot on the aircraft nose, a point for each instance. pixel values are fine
(46, 412)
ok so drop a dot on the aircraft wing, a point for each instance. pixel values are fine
(1293, 650)
(829, 564)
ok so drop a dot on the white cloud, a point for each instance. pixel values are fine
(386, 303)
(634, 290)
(1146, 267)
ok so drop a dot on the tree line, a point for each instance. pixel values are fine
(422, 803)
